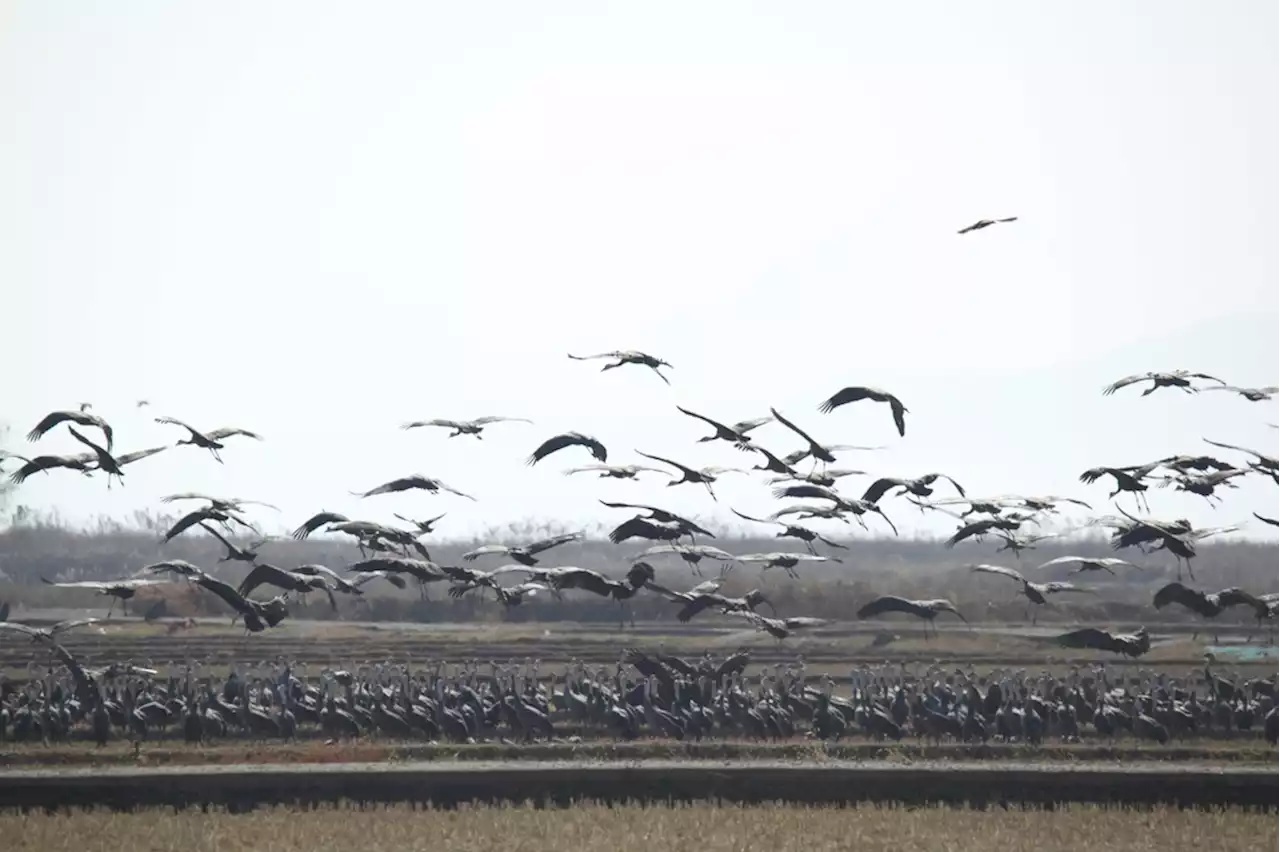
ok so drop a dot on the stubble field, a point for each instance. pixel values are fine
(588, 826)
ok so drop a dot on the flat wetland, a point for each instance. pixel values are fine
(707, 827)
(1176, 649)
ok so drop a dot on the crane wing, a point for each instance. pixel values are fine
(998, 569)
(230, 432)
(886, 603)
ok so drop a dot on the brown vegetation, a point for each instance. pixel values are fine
(591, 826)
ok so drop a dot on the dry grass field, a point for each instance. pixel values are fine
(589, 826)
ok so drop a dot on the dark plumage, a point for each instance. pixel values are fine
(43, 464)
(818, 451)
(317, 521)
(121, 590)
(81, 418)
(926, 609)
(211, 441)
(920, 487)
(731, 434)
(985, 223)
(264, 573)
(663, 516)
(1206, 604)
(1131, 645)
(1180, 379)
(524, 554)
(106, 461)
(569, 439)
(411, 482)
(855, 393)
(627, 356)
(647, 528)
(982, 526)
(796, 531)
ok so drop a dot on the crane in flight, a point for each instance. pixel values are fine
(857, 393)
(1180, 379)
(628, 356)
(1036, 593)
(985, 223)
(569, 439)
(82, 418)
(1129, 644)
(465, 427)
(926, 609)
(118, 590)
(211, 441)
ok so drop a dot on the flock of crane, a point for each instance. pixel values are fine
(397, 555)
(667, 697)
(672, 697)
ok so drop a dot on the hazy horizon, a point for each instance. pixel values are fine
(318, 224)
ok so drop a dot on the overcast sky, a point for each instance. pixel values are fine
(319, 220)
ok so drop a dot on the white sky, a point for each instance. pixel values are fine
(320, 220)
